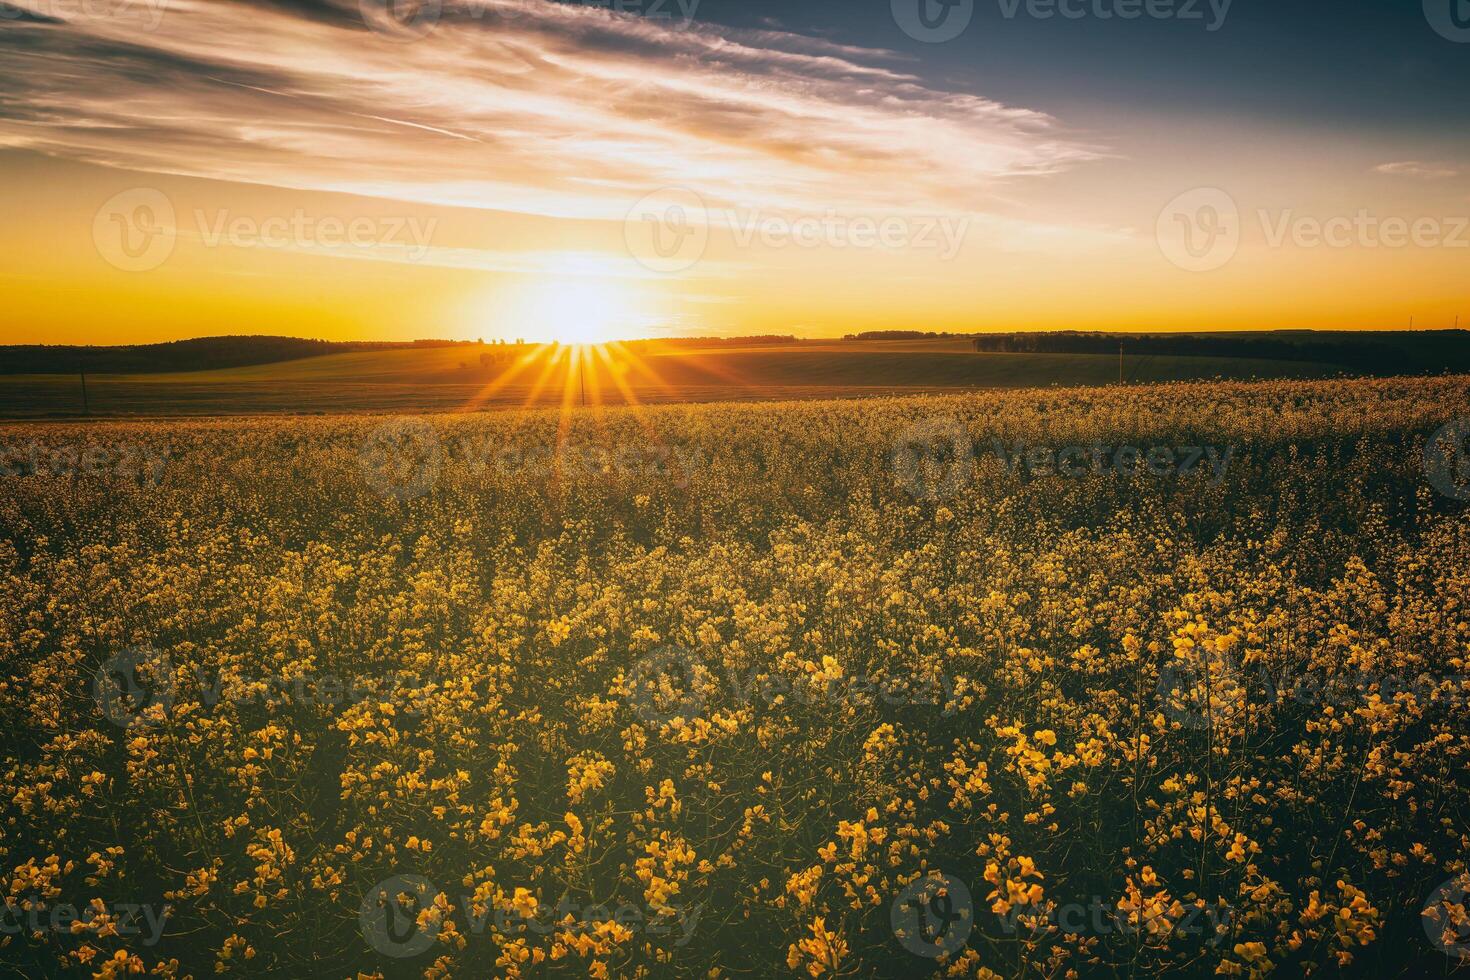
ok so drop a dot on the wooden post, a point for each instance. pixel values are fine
(1120, 362)
(86, 406)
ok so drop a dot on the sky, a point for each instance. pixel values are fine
(640, 168)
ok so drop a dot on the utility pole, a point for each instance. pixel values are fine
(86, 406)
(1120, 362)
(582, 376)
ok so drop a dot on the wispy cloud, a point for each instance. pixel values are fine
(1417, 170)
(514, 105)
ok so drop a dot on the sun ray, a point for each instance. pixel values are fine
(521, 364)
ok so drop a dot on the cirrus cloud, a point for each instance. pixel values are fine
(1417, 170)
(514, 105)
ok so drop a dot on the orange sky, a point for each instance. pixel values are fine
(317, 179)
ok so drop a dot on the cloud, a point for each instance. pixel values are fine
(515, 105)
(1417, 170)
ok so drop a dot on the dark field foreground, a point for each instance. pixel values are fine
(1097, 682)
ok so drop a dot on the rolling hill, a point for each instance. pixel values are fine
(474, 377)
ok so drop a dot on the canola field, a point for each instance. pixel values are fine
(1132, 682)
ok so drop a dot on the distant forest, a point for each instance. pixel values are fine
(755, 340)
(1369, 352)
(203, 354)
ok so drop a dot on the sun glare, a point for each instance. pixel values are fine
(577, 310)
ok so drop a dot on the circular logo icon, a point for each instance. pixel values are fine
(933, 916)
(667, 684)
(1447, 460)
(401, 20)
(1199, 231)
(1446, 920)
(668, 230)
(128, 686)
(1192, 702)
(934, 460)
(401, 457)
(136, 230)
(390, 916)
(933, 21)
(1449, 18)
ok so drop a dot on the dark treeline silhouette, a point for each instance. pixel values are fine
(201, 354)
(902, 335)
(1368, 352)
(752, 341)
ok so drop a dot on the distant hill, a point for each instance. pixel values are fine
(1375, 352)
(201, 354)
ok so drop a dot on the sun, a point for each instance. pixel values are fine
(577, 310)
